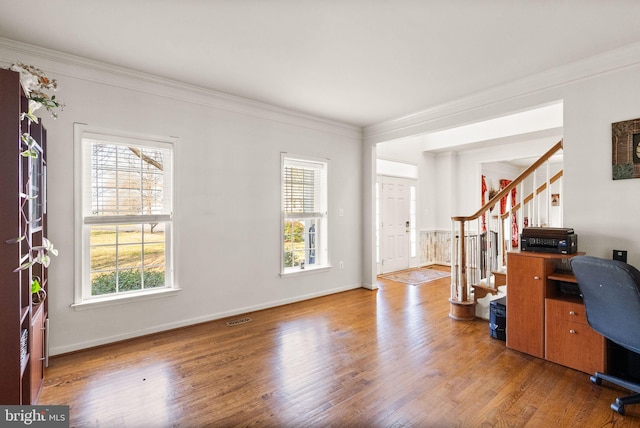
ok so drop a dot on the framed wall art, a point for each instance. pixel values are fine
(625, 138)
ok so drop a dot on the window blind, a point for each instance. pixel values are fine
(128, 180)
(302, 190)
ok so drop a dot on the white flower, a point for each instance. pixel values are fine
(34, 105)
(28, 80)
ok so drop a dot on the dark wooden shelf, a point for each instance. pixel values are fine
(565, 277)
(22, 378)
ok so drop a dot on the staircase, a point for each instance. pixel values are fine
(480, 242)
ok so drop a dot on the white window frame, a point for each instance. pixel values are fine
(321, 215)
(84, 219)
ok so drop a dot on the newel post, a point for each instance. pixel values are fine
(461, 308)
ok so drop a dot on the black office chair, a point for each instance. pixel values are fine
(611, 293)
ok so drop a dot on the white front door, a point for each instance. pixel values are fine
(395, 223)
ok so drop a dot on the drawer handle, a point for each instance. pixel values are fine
(572, 313)
(572, 331)
(536, 277)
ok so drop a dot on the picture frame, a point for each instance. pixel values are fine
(625, 139)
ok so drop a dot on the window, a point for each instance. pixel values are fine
(125, 217)
(304, 214)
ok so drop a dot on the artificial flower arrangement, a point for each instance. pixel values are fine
(35, 83)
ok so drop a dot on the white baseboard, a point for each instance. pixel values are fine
(58, 350)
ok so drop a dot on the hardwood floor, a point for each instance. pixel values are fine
(385, 358)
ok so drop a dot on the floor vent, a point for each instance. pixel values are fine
(238, 322)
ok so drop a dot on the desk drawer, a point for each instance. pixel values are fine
(569, 339)
(565, 310)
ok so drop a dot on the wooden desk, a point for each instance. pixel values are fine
(543, 322)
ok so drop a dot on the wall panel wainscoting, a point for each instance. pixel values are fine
(435, 247)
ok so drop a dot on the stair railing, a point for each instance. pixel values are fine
(476, 253)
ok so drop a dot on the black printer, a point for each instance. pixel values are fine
(557, 240)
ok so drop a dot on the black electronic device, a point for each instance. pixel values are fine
(549, 240)
(620, 255)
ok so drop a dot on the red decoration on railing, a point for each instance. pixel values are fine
(484, 192)
(503, 209)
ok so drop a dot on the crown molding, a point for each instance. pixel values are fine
(99, 72)
(424, 121)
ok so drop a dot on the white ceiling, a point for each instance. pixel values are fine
(357, 61)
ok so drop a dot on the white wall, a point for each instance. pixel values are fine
(428, 188)
(604, 212)
(469, 169)
(596, 93)
(410, 151)
(226, 270)
(494, 172)
(227, 198)
(440, 196)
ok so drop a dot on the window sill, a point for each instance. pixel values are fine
(305, 271)
(102, 302)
